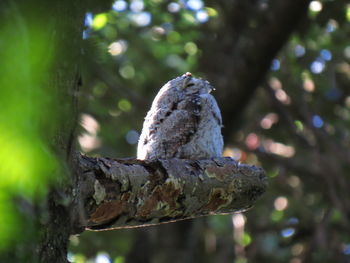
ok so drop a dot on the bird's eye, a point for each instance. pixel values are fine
(189, 85)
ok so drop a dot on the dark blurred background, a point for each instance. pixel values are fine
(281, 70)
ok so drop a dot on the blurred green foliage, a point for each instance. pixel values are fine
(27, 162)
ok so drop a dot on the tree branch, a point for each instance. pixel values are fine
(113, 194)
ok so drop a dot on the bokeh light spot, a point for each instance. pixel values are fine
(294, 181)
(309, 85)
(132, 137)
(202, 16)
(137, 6)
(89, 123)
(346, 249)
(288, 232)
(88, 19)
(191, 48)
(173, 7)
(70, 256)
(118, 47)
(281, 203)
(279, 148)
(211, 12)
(275, 83)
(331, 25)
(103, 258)
(124, 105)
(297, 249)
(269, 120)
(247, 239)
(76, 258)
(127, 72)
(85, 34)
(275, 65)
(317, 121)
(282, 96)
(157, 33)
(317, 66)
(238, 220)
(315, 6)
(299, 51)
(141, 18)
(299, 125)
(120, 6)
(234, 153)
(194, 4)
(100, 89)
(252, 141)
(99, 21)
(88, 142)
(189, 17)
(326, 54)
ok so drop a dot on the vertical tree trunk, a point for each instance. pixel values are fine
(52, 29)
(65, 20)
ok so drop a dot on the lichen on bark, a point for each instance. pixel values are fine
(134, 193)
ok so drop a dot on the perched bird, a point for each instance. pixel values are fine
(184, 122)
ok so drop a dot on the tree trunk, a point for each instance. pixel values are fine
(55, 29)
(66, 22)
(243, 44)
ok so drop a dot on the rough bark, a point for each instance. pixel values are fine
(113, 194)
(65, 21)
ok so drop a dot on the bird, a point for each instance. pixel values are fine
(184, 122)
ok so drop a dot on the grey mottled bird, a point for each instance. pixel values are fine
(183, 122)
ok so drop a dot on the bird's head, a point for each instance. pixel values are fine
(191, 85)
